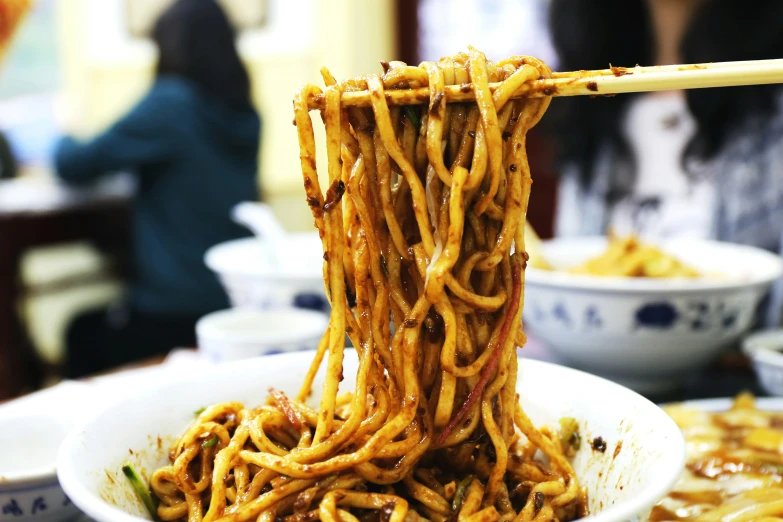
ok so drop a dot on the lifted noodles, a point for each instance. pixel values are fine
(423, 206)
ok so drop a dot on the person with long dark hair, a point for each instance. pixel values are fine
(704, 163)
(192, 142)
(8, 164)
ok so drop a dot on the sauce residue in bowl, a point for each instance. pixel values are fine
(734, 465)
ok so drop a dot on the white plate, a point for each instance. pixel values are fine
(723, 404)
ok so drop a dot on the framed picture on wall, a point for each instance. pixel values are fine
(243, 14)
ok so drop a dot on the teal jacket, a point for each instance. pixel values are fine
(195, 158)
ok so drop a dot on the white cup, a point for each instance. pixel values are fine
(240, 333)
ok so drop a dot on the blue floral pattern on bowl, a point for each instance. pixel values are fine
(647, 341)
(42, 503)
(656, 315)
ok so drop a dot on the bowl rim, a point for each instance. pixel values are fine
(257, 272)
(719, 404)
(91, 504)
(754, 346)
(314, 324)
(36, 482)
(559, 279)
(41, 476)
(767, 357)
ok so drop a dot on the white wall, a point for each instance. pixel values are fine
(105, 71)
(499, 28)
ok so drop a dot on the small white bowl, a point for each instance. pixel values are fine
(240, 333)
(29, 490)
(648, 334)
(252, 275)
(764, 350)
(644, 457)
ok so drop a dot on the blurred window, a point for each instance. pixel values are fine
(29, 80)
(244, 14)
(499, 28)
(31, 64)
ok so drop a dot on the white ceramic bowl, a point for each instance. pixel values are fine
(241, 333)
(644, 456)
(29, 490)
(646, 333)
(764, 350)
(252, 276)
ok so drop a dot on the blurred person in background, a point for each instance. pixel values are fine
(193, 143)
(8, 163)
(705, 163)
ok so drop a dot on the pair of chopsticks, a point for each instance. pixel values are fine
(615, 80)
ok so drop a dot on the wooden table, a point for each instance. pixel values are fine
(36, 213)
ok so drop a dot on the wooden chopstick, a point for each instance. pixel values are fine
(605, 82)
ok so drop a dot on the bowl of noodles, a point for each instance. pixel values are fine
(623, 450)
(421, 222)
(645, 315)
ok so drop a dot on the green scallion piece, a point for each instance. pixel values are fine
(141, 489)
(413, 116)
(459, 495)
(211, 442)
(200, 411)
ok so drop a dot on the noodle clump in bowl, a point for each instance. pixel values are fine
(420, 237)
(630, 257)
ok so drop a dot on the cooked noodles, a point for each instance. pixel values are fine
(423, 209)
(630, 257)
(734, 469)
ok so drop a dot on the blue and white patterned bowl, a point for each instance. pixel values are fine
(764, 349)
(647, 333)
(29, 490)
